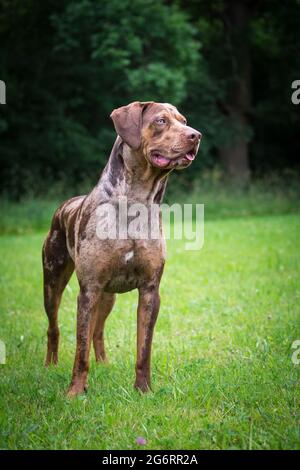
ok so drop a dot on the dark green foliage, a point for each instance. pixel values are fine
(276, 120)
(68, 63)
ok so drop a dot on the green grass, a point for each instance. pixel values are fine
(222, 371)
(273, 195)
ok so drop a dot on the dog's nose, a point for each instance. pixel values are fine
(194, 135)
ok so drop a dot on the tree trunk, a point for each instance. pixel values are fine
(234, 154)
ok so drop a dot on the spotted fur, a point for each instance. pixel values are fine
(107, 267)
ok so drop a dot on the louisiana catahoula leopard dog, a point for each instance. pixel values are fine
(153, 140)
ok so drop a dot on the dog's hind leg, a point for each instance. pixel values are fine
(105, 307)
(58, 268)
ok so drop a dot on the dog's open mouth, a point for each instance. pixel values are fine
(163, 162)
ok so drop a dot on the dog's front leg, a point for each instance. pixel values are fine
(86, 311)
(147, 314)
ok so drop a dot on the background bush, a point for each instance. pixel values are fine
(229, 65)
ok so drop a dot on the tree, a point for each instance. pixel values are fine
(250, 51)
(67, 64)
(237, 105)
(223, 28)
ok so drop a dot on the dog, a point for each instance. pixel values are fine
(153, 140)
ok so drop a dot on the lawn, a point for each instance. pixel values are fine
(223, 377)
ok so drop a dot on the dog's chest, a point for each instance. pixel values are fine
(133, 267)
(126, 275)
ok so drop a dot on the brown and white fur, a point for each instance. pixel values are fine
(153, 139)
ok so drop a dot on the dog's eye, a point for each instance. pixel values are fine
(160, 121)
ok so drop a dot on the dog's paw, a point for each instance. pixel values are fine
(51, 359)
(142, 387)
(102, 360)
(75, 390)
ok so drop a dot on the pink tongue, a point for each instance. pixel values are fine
(161, 161)
(190, 156)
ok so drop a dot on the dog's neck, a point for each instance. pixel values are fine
(129, 174)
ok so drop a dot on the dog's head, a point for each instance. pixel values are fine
(159, 132)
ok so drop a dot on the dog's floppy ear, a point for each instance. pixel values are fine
(128, 122)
